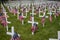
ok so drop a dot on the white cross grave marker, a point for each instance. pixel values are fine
(43, 14)
(54, 11)
(29, 6)
(5, 13)
(26, 12)
(58, 37)
(32, 21)
(59, 9)
(23, 20)
(12, 31)
(6, 20)
(23, 16)
(50, 13)
(52, 39)
(32, 10)
(39, 13)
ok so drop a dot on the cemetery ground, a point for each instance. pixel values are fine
(43, 33)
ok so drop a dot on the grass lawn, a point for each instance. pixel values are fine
(43, 33)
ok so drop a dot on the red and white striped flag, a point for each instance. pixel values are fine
(50, 18)
(4, 23)
(57, 14)
(30, 18)
(43, 20)
(33, 29)
(21, 18)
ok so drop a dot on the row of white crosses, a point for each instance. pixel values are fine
(5, 13)
(19, 13)
(34, 13)
(32, 19)
(12, 8)
(58, 37)
(45, 7)
(8, 6)
(50, 11)
(55, 10)
(44, 12)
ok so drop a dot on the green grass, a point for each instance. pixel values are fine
(43, 33)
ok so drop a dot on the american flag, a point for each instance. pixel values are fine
(56, 14)
(15, 37)
(43, 20)
(21, 17)
(15, 10)
(30, 18)
(34, 27)
(4, 23)
(50, 18)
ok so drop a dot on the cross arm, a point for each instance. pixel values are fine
(9, 33)
(29, 22)
(24, 16)
(36, 22)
